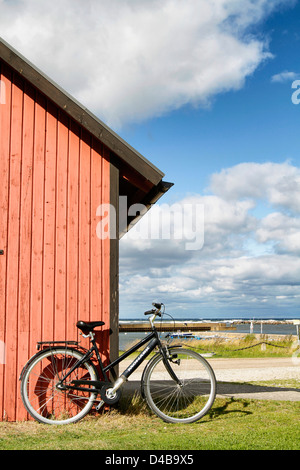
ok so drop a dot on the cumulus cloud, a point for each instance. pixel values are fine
(282, 230)
(136, 59)
(247, 263)
(284, 76)
(279, 184)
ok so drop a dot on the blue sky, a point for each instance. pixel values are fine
(202, 88)
(255, 123)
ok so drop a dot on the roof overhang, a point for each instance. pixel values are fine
(80, 114)
(143, 207)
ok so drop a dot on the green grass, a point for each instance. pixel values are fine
(248, 346)
(243, 347)
(231, 424)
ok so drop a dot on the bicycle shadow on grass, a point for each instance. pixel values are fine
(132, 403)
(225, 404)
(225, 408)
(248, 389)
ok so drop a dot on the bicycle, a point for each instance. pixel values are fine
(60, 384)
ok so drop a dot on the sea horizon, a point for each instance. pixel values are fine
(214, 319)
(267, 326)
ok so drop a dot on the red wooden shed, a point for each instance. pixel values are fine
(59, 163)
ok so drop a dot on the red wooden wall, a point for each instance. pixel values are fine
(55, 270)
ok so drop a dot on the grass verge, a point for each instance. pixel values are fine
(230, 425)
(243, 346)
(246, 347)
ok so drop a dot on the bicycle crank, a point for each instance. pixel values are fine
(109, 397)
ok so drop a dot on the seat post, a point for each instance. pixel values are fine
(95, 347)
(92, 337)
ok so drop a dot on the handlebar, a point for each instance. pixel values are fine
(155, 311)
(158, 306)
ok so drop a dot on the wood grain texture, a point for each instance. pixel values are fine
(55, 270)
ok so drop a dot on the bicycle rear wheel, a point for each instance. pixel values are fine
(43, 400)
(186, 401)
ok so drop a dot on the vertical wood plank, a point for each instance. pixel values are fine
(96, 292)
(96, 243)
(114, 264)
(72, 242)
(10, 386)
(25, 237)
(61, 226)
(106, 242)
(84, 228)
(5, 120)
(37, 223)
(49, 223)
(105, 275)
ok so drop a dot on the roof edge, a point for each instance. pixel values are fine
(150, 199)
(79, 113)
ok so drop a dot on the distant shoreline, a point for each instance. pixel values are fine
(270, 321)
(276, 331)
(239, 335)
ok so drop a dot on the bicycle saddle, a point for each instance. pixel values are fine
(87, 326)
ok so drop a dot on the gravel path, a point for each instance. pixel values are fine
(228, 371)
(252, 370)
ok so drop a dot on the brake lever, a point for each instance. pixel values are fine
(150, 312)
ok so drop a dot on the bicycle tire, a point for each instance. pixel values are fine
(184, 403)
(43, 401)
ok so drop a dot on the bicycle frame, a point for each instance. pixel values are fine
(153, 340)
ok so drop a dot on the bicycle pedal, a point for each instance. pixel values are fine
(100, 404)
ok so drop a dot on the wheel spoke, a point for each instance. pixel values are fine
(184, 402)
(41, 397)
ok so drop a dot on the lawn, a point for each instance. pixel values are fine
(241, 346)
(231, 425)
(246, 346)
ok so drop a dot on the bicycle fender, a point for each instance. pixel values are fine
(32, 358)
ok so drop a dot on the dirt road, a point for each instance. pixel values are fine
(233, 376)
(244, 370)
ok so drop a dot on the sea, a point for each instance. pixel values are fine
(267, 326)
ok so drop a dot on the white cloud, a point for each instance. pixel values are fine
(247, 263)
(136, 59)
(282, 230)
(285, 76)
(279, 184)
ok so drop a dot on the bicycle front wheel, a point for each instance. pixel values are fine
(43, 400)
(185, 400)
